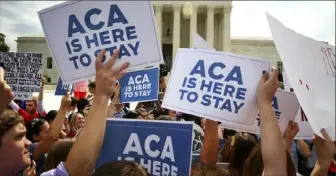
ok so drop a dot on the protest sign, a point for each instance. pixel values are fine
(215, 85)
(288, 87)
(285, 105)
(23, 73)
(77, 31)
(139, 86)
(162, 147)
(200, 43)
(62, 89)
(310, 69)
(306, 132)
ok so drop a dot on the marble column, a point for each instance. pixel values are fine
(193, 25)
(226, 35)
(176, 30)
(210, 24)
(158, 18)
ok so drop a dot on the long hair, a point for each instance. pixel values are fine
(58, 153)
(254, 165)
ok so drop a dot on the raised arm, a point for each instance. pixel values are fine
(84, 153)
(40, 107)
(290, 133)
(55, 129)
(211, 143)
(272, 146)
(6, 94)
(112, 109)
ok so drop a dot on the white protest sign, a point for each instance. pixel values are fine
(200, 43)
(310, 68)
(23, 73)
(76, 32)
(285, 105)
(288, 87)
(306, 132)
(216, 85)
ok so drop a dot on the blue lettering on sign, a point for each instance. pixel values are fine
(106, 35)
(155, 146)
(62, 89)
(140, 85)
(220, 91)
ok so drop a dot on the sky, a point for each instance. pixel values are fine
(315, 19)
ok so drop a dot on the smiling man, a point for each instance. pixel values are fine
(14, 155)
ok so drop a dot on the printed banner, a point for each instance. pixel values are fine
(285, 105)
(76, 32)
(140, 86)
(216, 85)
(62, 89)
(23, 73)
(162, 147)
(288, 87)
(310, 68)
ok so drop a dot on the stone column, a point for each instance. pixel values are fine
(176, 30)
(226, 21)
(193, 25)
(158, 18)
(210, 24)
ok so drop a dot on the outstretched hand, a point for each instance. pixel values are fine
(105, 77)
(6, 94)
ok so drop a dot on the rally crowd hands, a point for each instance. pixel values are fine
(105, 77)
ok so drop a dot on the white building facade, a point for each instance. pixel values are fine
(210, 19)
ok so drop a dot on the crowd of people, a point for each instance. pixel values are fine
(67, 141)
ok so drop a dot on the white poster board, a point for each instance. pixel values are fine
(216, 85)
(76, 32)
(200, 43)
(23, 73)
(285, 105)
(310, 68)
(306, 132)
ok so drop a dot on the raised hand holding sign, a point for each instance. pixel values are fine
(6, 94)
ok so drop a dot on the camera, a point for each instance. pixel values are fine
(163, 70)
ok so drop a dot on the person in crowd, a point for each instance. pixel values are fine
(58, 153)
(14, 154)
(50, 116)
(92, 91)
(77, 121)
(83, 104)
(44, 136)
(243, 145)
(84, 153)
(73, 106)
(34, 107)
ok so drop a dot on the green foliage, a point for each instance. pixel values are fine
(3, 46)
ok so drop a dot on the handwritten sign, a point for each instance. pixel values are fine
(163, 148)
(139, 86)
(310, 68)
(284, 104)
(215, 85)
(76, 32)
(23, 73)
(62, 89)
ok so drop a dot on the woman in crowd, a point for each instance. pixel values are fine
(76, 123)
